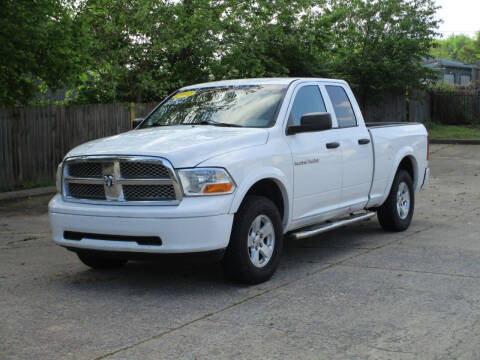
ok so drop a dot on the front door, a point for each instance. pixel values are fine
(317, 161)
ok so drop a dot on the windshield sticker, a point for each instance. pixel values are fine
(183, 94)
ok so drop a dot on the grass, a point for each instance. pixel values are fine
(28, 185)
(439, 131)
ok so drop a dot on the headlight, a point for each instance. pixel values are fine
(206, 181)
(59, 178)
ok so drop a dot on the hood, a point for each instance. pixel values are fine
(183, 146)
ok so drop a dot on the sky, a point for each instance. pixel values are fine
(459, 17)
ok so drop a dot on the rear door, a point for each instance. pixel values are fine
(356, 147)
(317, 165)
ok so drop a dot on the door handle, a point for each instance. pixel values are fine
(333, 145)
(364, 141)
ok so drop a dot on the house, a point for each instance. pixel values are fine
(454, 72)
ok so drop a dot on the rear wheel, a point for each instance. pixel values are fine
(96, 261)
(253, 253)
(397, 211)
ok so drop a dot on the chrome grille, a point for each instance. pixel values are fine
(85, 170)
(124, 179)
(135, 170)
(86, 191)
(150, 192)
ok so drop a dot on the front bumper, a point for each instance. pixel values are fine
(181, 231)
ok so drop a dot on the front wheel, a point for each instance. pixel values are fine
(256, 242)
(397, 211)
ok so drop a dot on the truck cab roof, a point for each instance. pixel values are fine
(258, 81)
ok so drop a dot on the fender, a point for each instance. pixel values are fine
(402, 154)
(262, 174)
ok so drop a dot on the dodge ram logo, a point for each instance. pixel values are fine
(108, 180)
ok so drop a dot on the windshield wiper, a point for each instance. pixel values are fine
(203, 122)
(214, 123)
(165, 125)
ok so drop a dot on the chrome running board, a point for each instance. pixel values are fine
(324, 227)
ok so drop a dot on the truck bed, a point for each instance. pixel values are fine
(389, 147)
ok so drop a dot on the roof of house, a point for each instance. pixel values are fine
(435, 63)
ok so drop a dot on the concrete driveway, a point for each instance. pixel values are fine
(354, 293)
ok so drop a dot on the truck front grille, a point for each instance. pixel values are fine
(150, 192)
(85, 170)
(125, 179)
(135, 170)
(86, 191)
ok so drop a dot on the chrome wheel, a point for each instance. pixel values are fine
(261, 241)
(403, 200)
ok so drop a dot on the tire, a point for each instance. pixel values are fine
(96, 261)
(396, 214)
(253, 259)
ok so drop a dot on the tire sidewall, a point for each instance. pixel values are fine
(237, 256)
(402, 176)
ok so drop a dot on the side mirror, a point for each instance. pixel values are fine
(136, 122)
(312, 122)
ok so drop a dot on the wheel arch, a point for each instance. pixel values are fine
(409, 164)
(406, 160)
(272, 188)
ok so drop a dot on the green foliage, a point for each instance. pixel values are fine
(439, 131)
(282, 38)
(458, 47)
(378, 45)
(41, 48)
(443, 87)
(140, 50)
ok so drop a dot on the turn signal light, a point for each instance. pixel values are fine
(217, 188)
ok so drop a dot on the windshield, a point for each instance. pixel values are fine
(242, 106)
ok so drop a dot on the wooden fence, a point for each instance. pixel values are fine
(34, 140)
(391, 108)
(459, 107)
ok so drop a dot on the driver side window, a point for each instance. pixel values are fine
(308, 100)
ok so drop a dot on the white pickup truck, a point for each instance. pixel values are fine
(231, 167)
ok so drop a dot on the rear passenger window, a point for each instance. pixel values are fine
(342, 106)
(308, 100)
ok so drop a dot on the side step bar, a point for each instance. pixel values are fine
(324, 227)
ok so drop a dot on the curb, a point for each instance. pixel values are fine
(20, 194)
(456, 141)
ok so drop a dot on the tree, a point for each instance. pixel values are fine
(145, 49)
(142, 50)
(375, 45)
(41, 47)
(378, 45)
(281, 38)
(458, 47)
